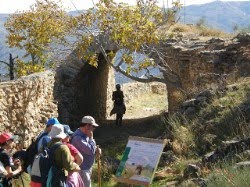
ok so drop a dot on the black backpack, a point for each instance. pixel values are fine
(44, 169)
(32, 151)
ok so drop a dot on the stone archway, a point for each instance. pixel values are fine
(81, 89)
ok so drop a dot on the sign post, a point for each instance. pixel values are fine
(139, 161)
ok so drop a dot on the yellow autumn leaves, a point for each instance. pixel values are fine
(128, 27)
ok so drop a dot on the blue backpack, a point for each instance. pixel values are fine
(42, 164)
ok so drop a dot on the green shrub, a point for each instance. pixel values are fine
(179, 129)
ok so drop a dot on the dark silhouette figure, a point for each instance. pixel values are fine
(119, 107)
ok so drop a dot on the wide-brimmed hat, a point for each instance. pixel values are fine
(89, 120)
(57, 131)
(4, 137)
(67, 130)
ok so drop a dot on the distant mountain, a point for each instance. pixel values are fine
(3, 49)
(219, 14)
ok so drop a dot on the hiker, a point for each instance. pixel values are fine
(23, 178)
(7, 144)
(84, 141)
(44, 137)
(119, 107)
(62, 159)
(74, 179)
(36, 145)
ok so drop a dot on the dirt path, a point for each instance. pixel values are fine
(108, 133)
(142, 119)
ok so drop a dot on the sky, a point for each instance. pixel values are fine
(11, 6)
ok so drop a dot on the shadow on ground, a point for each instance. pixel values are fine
(109, 133)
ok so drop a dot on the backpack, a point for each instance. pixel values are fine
(32, 151)
(42, 163)
(2, 172)
(56, 177)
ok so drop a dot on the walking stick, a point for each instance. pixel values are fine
(99, 168)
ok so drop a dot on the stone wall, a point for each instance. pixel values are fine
(135, 89)
(26, 104)
(202, 63)
(82, 89)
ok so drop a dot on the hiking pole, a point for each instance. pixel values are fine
(99, 167)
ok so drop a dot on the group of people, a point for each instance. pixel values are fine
(75, 155)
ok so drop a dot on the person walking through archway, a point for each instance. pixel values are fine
(119, 106)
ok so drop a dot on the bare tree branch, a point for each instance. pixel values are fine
(5, 63)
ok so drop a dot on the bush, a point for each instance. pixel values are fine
(179, 129)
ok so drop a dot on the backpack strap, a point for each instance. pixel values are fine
(41, 136)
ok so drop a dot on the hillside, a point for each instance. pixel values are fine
(220, 124)
(218, 14)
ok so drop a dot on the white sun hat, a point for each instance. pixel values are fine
(57, 131)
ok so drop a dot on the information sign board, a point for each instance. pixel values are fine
(139, 161)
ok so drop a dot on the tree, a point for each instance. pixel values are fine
(36, 31)
(10, 65)
(132, 30)
(115, 30)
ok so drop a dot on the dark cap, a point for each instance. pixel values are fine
(67, 130)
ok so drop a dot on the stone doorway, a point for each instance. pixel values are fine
(81, 89)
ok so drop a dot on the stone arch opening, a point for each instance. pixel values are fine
(82, 89)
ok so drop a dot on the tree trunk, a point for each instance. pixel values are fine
(11, 66)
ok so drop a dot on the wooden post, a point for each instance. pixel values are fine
(99, 168)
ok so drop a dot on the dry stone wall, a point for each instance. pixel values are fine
(200, 63)
(135, 89)
(26, 104)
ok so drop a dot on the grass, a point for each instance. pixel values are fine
(181, 133)
(181, 30)
(229, 176)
